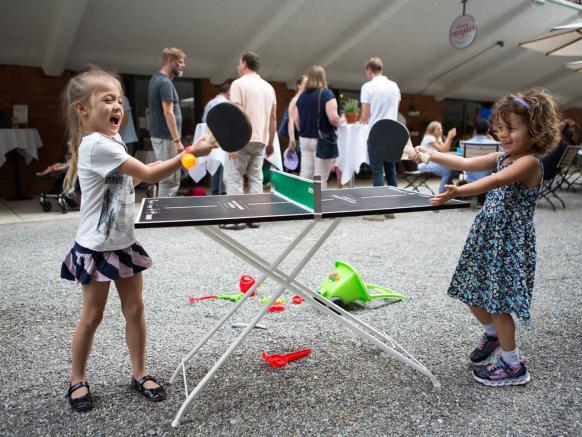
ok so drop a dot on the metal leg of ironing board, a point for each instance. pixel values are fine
(237, 305)
(221, 238)
(351, 322)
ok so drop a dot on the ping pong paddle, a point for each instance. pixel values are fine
(229, 127)
(388, 139)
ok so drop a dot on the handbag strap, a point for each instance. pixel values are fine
(318, 107)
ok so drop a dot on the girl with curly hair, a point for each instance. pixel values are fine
(495, 273)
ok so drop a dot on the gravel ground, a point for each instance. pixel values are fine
(345, 387)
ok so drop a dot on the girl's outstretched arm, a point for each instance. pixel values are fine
(152, 173)
(456, 162)
(525, 170)
(159, 170)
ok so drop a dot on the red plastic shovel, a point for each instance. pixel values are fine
(278, 360)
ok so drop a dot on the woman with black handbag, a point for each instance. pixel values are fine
(316, 117)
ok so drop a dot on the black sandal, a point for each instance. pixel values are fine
(156, 394)
(83, 403)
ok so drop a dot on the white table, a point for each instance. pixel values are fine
(352, 142)
(26, 142)
(212, 162)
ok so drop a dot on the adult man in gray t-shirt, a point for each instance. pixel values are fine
(165, 117)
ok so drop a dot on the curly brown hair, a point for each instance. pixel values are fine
(539, 110)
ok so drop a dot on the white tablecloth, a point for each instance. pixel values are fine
(26, 141)
(211, 162)
(352, 141)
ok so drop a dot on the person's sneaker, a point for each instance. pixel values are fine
(500, 373)
(486, 350)
(375, 218)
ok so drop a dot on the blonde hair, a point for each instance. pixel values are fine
(315, 78)
(540, 114)
(172, 53)
(431, 128)
(81, 89)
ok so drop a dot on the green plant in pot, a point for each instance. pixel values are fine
(351, 108)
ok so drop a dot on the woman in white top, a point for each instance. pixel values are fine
(433, 140)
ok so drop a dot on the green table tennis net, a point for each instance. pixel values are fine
(294, 188)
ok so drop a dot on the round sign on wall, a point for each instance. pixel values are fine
(463, 31)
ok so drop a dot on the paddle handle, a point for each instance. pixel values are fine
(409, 150)
(383, 292)
(292, 356)
(211, 139)
(192, 299)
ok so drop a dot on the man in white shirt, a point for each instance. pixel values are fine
(257, 97)
(380, 98)
(216, 182)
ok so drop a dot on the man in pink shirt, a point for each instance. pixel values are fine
(257, 97)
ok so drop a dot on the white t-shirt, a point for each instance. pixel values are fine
(211, 104)
(257, 97)
(426, 142)
(107, 195)
(383, 96)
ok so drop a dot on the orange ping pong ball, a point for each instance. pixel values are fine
(188, 160)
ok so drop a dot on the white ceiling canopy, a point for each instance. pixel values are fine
(411, 36)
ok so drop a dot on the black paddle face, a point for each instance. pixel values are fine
(230, 126)
(387, 139)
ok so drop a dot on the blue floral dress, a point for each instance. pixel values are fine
(497, 266)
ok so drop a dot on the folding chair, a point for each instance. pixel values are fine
(574, 176)
(414, 177)
(553, 182)
(473, 149)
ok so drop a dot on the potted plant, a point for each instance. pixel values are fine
(351, 108)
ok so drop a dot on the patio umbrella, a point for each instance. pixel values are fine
(576, 65)
(560, 41)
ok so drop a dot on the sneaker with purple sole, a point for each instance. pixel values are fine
(485, 352)
(500, 373)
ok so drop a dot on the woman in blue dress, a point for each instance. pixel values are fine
(495, 273)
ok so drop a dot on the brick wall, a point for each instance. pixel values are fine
(428, 110)
(42, 94)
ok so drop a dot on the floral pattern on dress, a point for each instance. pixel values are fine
(497, 266)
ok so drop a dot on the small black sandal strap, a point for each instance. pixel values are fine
(73, 388)
(146, 378)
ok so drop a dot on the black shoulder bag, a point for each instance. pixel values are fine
(326, 144)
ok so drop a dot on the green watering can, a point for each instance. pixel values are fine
(344, 286)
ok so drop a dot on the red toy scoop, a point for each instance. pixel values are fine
(278, 360)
